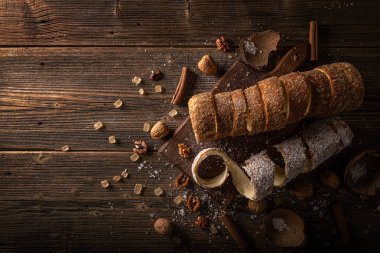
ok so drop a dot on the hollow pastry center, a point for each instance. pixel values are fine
(211, 167)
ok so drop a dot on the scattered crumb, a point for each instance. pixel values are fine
(141, 91)
(116, 178)
(177, 200)
(135, 157)
(112, 139)
(136, 80)
(158, 192)
(146, 127)
(138, 189)
(124, 174)
(173, 113)
(158, 88)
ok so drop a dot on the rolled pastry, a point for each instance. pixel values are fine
(239, 178)
(224, 114)
(240, 113)
(290, 156)
(298, 94)
(321, 141)
(260, 169)
(343, 130)
(275, 103)
(203, 116)
(255, 110)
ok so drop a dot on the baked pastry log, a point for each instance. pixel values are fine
(203, 116)
(240, 113)
(298, 94)
(275, 102)
(224, 114)
(255, 110)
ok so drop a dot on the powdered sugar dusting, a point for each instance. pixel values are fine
(358, 171)
(279, 224)
(260, 169)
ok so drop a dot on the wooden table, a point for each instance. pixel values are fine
(64, 63)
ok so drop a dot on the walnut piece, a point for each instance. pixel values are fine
(184, 150)
(193, 203)
(202, 222)
(140, 147)
(182, 181)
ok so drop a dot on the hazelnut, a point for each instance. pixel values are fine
(257, 206)
(159, 130)
(163, 226)
(207, 65)
(302, 190)
(329, 179)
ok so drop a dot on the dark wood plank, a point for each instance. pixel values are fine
(45, 106)
(52, 201)
(183, 23)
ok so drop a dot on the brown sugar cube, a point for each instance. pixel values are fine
(177, 200)
(112, 139)
(118, 103)
(65, 148)
(158, 192)
(158, 89)
(116, 178)
(141, 91)
(136, 80)
(173, 113)
(138, 189)
(124, 174)
(135, 157)
(146, 127)
(105, 184)
(98, 125)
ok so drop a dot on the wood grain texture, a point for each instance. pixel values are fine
(183, 23)
(64, 63)
(51, 97)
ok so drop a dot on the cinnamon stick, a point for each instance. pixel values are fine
(313, 40)
(341, 222)
(235, 231)
(180, 90)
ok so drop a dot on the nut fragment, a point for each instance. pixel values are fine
(202, 222)
(65, 148)
(159, 130)
(156, 75)
(184, 150)
(105, 184)
(138, 189)
(193, 203)
(136, 80)
(207, 65)
(329, 179)
(124, 174)
(146, 127)
(118, 103)
(112, 139)
(140, 147)
(158, 192)
(116, 178)
(135, 157)
(158, 88)
(98, 125)
(257, 206)
(302, 190)
(222, 44)
(182, 181)
(141, 91)
(163, 226)
(173, 113)
(177, 200)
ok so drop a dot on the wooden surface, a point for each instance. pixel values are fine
(64, 63)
